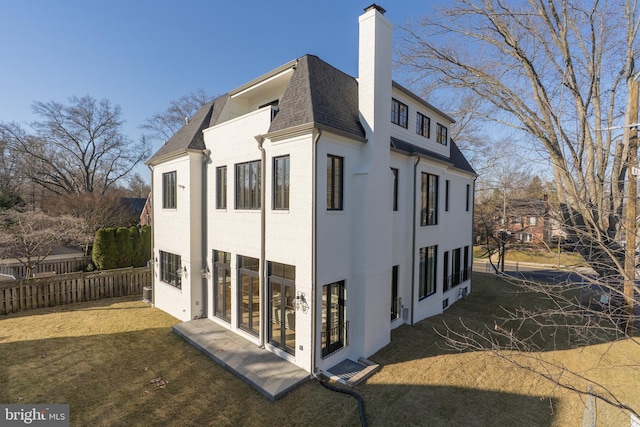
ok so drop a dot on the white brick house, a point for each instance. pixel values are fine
(312, 212)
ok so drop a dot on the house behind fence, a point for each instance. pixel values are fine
(58, 266)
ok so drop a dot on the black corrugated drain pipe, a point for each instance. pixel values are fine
(363, 418)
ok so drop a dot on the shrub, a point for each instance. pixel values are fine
(124, 247)
(105, 249)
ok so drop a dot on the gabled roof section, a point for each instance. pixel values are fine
(320, 94)
(456, 157)
(189, 136)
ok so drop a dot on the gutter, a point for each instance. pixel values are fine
(413, 244)
(261, 268)
(314, 254)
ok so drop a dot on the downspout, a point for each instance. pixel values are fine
(204, 232)
(261, 269)
(413, 244)
(153, 264)
(314, 252)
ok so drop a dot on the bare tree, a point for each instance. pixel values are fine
(163, 125)
(556, 73)
(30, 236)
(75, 148)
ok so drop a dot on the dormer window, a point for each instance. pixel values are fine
(423, 125)
(441, 134)
(399, 113)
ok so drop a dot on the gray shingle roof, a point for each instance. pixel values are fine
(320, 93)
(190, 135)
(456, 157)
(317, 94)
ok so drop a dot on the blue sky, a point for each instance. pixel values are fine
(142, 54)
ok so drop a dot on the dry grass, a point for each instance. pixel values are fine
(101, 358)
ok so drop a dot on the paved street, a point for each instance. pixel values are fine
(540, 272)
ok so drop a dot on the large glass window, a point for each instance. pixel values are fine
(248, 185)
(169, 185)
(429, 199)
(399, 113)
(281, 182)
(446, 278)
(466, 266)
(423, 125)
(335, 182)
(456, 267)
(171, 269)
(282, 312)
(249, 294)
(334, 318)
(221, 187)
(222, 284)
(428, 264)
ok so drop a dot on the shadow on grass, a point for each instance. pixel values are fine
(153, 378)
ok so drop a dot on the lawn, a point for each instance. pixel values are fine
(117, 362)
(538, 256)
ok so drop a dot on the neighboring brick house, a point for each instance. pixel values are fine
(527, 220)
(312, 212)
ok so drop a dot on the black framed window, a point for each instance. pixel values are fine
(282, 306)
(249, 294)
(222, 284)
(395, 172)
(171, 269)
(395, 300)
(446, 195)
(423, 125)
(456, 268)
(446, 278)
(429, 199)
(428, 271)
(466, 266)
(335, 182)
(399, 113)
(248, 185)
(169, 185)
(334, 318)
(468, 199)
(281, 169)
(221, 187)
(441, 134)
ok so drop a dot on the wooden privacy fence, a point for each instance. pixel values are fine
(67, 265)
(19, 295)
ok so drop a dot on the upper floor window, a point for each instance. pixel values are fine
(394, 171)
(441, 134)
(335, 182)
(446, 195)
(171, 269)
(221, 187)
(423, 125)
(169, 190)
(429, 199)
(248, 185)
(281, 182)
(468, 199)
(399, 113)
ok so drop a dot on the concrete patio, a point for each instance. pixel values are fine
(269, 374)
